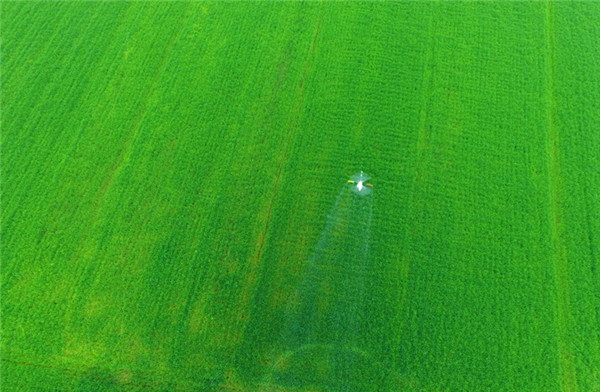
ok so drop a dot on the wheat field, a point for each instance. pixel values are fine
(176, 212)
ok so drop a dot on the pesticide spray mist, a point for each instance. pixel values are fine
(324, 324)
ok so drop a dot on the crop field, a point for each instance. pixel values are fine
(177, 216)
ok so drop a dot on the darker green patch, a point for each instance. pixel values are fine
(328, 368)
(96, 379)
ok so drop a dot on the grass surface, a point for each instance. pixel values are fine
(168, 170)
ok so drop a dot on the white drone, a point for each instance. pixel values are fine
(360, 184)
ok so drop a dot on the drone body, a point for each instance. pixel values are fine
(360, 185)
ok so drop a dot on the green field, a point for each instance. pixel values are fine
(176, 214)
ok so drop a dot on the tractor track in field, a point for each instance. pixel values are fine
(135, 125)
(117, 166)
(568, 376)
(250, 286)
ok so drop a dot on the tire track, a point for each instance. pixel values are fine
(251, 283)
(568, 377)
